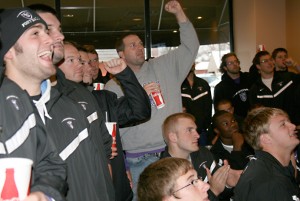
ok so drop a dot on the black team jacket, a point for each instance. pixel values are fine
(127, 110)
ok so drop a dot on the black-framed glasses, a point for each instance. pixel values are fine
(266, 60)
(194, 182)
(235, 62)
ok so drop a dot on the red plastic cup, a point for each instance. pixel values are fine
(112, 129)
(15, 174)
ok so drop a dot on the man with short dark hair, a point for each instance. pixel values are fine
(161, 77)
(225, 105)
(197, 100)
(283, 62)
(230, 144)
(98, 75)
(87, 78)
(273, 88)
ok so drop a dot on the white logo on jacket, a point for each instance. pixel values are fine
(69, 122)
(83, 105)
(14, 100)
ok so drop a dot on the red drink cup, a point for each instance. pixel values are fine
(112, 129)
(158, 99)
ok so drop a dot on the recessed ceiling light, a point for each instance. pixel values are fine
(199, 17)
(68, 15)
(175, 31)
(136, 19)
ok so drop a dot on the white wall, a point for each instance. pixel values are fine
(293, 28)
(258, 22)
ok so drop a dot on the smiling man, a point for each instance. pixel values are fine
(273, 88)
(271, 175)
(171, 179)
(26, 54)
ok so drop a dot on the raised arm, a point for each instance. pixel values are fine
(175, 8)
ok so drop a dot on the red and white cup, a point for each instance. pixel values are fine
(15, 174)
(158, 99)
(261, 47)
(112, 130)
(98, 86)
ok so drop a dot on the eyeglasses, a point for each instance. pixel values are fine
(194, 182)
(235, 62)
(266, 60)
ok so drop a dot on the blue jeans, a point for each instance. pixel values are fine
(137, 165)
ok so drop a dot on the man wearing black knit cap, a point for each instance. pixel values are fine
(26, 54)
(88, 176)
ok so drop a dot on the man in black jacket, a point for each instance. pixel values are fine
(125, 111)
(274, 88)
(197, 100)
(81, 127)
(271, 175)
(26, 54)
(230, 143)
(181, 137)
(134, 106)
(234, 86)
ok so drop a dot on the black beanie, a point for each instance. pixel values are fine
(13, 23)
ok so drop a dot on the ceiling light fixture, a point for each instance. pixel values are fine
(199, 17)
(68, 15)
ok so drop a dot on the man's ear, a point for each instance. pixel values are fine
(265, 139)
(257, 66)
(8, 55)
(167, 198)
(217, 131)
(173, 137)
(121, 54)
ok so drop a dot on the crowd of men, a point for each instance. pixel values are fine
(55, 112)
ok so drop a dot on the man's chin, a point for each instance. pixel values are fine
(57, 58)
